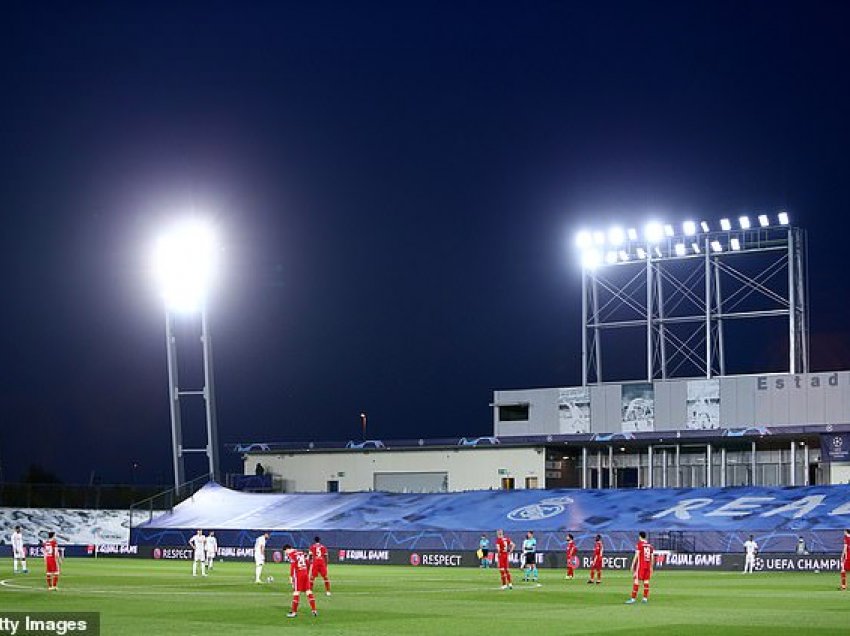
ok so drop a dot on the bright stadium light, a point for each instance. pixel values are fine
(744, 222)
(653, 232)
(641, 253)
(185, 265)
(680, 249)
(668, 230)
(616, 236)
(599, 238)
(657, 251)
(624, 255)
(725, 225)
(716, 246)
(590, 259)
(695, 247)
(584, 239)
(736, 244)
(764, 221)
(704, 226)
(633, 234)
(783, 218)
(611, 258)
(689, 228)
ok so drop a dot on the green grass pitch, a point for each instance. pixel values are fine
(154, 598)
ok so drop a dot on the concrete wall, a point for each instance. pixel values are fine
(467, 469)
(745, 401)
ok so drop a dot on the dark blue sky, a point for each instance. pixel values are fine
(397, 185)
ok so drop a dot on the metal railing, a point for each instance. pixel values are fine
(146, 509)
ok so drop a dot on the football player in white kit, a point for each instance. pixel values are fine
(198, 541)
(212, 549)
(752, 549)
(19, 552)
(260, 556)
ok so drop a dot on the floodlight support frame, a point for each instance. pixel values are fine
(783, 247)
(175, 394)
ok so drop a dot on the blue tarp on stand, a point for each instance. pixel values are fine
(717, 518)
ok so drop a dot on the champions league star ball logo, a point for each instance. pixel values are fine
(544, 509)
(837, 443)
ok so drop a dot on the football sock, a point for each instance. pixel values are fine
(312, 600)
(259, 570)
(634, 590)
(843, 579)
(646, 590)
(327, 585)
(295, 598)
(508, 577)
(194, 568)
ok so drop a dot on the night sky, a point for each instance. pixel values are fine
(397, 186)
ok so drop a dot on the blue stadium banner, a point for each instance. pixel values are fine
(835, 447)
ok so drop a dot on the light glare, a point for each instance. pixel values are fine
(611, 258)
(668, 230)
(744, 222)
(653, 232)
(599, 238)
(616, 236)
(783, 218)
(763, 220)
(716, 246)
(633, 234)
(725, 225)
(590, 259)
(584, 240)
(736, 244)
(704, 226)
(680, 249)
(641, 253)
(689, 228)
(695, 247)
(184, 265)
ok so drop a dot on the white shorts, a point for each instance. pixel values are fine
(19, 553)
(259, 560)
(210, 555)
(199, 556)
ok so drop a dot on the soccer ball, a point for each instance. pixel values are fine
(270, 579)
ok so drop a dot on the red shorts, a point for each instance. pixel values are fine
(301, 581)
(51, 566)
(597, 563)
(845, 567)
(503, 561)
(572, 562)
(319, 568)
(643, 573)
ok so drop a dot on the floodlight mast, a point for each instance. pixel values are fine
(681, 298)
(184, 264)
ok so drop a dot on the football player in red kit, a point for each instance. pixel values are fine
(504, 546)
(299, 572)
(319, 564)
(596, 564)
(572, 557)
(642, 567)
(845, 559)
(52, 560)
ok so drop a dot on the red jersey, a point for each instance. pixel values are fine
(318, 552)
(644, 551)
(50, 548)
(847, 547)
(297, 562)
(503, 545)
(597, 549)
(572, 550)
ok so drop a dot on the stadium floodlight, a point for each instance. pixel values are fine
(653, 232)
(764, 221)
(704, 226)
(584, 240)
(658, 251)
(680, 249)
(624, 255)
(616, 236)
(735, 243)
(783, 218)
(185, 264)
(590, 259)
(695, 247)
(725, 225)
(668, 230)
(599, 238)
(689, 228)
(641, 253)
(744, 222)
(611, 258)
(716, 246)
(633, 234)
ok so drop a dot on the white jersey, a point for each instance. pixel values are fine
(17, 545)
(198, 541)
(751, 548)
(211, 546)
(260, 549)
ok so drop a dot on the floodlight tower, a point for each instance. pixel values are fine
(184, 264)
(679, 285)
